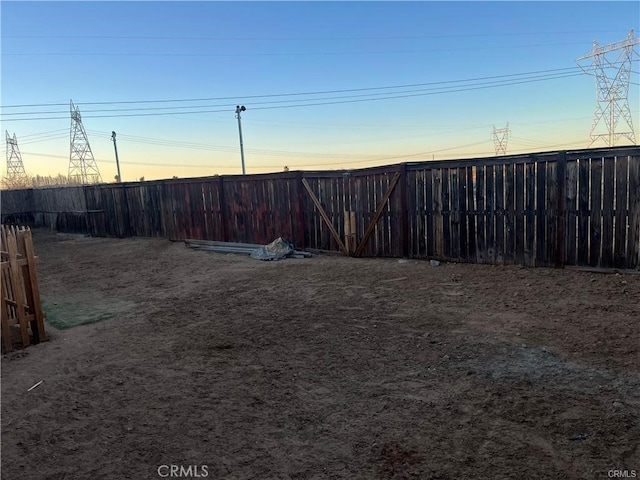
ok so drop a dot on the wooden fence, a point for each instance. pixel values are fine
(577, 207)
(20, 303)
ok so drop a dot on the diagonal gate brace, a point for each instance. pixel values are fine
(374, 220)
(325, 217)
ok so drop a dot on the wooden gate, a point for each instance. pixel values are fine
(20, 303)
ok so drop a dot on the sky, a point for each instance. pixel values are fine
(326, 85)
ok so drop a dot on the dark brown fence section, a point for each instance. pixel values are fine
(549, 209)
(17, 207)
(63, 208)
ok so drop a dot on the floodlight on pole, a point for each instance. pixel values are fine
(240, 109)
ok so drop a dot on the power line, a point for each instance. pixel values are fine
(312, 103)
(321, 92)
(405, 92)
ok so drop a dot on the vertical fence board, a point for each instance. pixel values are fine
(509, 215)
(499, 192)
(471, 215)
(572, 213)
(491, 214)
(530, 253)
(607, 212)
(429, 213)
(541, 214)
(455, 219)
(583, 211)
(595, 219)
(519, 225)
(481, 252)
(446, 213)
(553, 213)
(463, 221)
(438, 222)
(620, 234)
(633, 240)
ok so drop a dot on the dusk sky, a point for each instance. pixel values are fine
(327, 85)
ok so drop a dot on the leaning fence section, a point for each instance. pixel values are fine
(578, 207)
(20, 303)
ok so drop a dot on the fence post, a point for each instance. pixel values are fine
(86, 211)
(127, 214)
(223, 209)
(561, 199)
(404, 214)
(300, 241)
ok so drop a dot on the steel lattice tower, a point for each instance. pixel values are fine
(16, 176)
(611, 65)
(82, 165)
(500, 138)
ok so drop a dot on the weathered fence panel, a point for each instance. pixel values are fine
(17, 207)
(548, 209)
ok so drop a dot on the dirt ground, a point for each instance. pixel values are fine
(328, 367)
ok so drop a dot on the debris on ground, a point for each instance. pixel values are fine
(276, 250)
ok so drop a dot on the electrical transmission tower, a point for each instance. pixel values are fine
(16, 176)
(500, 137)
(82, 165)
(611, 65)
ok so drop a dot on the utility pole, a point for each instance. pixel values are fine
(238, 110)
(115, 147)
(611, 65)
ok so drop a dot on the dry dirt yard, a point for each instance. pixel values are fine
(328, 367)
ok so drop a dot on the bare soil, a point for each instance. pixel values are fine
(329, 367)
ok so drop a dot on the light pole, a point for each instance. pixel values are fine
(240, 109)
(115, 147)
